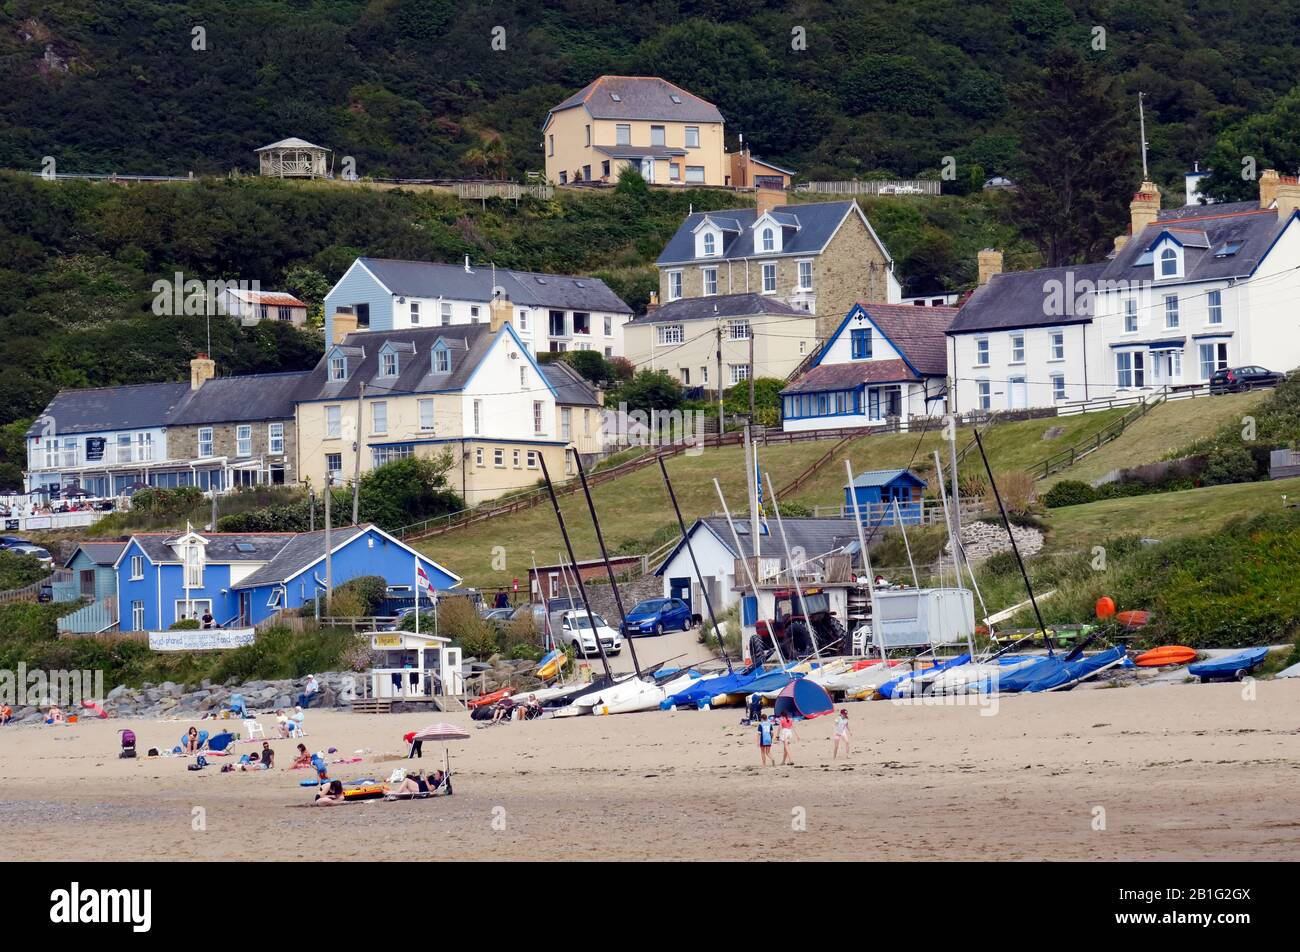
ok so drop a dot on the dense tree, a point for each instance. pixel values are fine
(1075, 171)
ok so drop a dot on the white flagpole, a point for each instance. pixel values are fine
(417, 594)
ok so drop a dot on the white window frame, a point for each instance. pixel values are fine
(709, 281)
(674, 285)
(1173, 315)
(1214, 307)
(441, 360)
(444, 313)
(709, 244)
(205, 439)
(738, 330)
(388, 364)
(1017, 348)
(379, 417)
(739, 373)
(539, 422)
(333, 422)
(425, 411)
(692, 135)
(137, 567)
(498, 457)
(670, 334)
(275, 439)
(137, 616)
(769, 239)
(695, 173)
(478, 417)
(1056, 344)
(984, 394)
(1130, 315)
(1058, 387)
(244, 440)
(338, 369)
(769, 270)
(805, 275)
(981, 352)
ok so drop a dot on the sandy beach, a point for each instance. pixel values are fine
(1181, 772)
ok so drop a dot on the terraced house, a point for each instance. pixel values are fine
(216, 433)
(667, 134)
(819, 257)
(474, 391)
(1188, 291)
(552, 312)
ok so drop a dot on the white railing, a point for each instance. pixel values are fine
(877, 187)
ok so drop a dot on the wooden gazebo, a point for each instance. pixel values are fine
(292, 158)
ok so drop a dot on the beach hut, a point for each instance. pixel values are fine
(803, 698)
(292, 158)
(878, 489)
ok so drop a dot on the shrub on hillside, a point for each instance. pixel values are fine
(1069, 492)
(1229, 464)
(19, 571)
(459, 620)
(167, 502)
(369, 590)
(1019, 493)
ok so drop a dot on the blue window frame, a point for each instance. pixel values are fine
(861, 338)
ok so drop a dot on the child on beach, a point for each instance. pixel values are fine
(788, 734)
(841, 734)
(765, 742)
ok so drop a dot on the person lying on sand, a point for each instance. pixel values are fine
(417, 784)
(332, 797)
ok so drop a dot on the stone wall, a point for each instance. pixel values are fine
(983, 539)
(183, 442)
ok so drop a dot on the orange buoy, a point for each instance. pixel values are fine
(1165, 654)
(1105, 607)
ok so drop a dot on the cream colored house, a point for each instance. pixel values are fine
(669, 135)
(686, 336)
(472, 390)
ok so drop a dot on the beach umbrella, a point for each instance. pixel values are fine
(442, 733)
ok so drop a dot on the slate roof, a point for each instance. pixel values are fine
(222, 546)
(639, 97)
(818, 221)
(919, 332)
(1016, 299)
(639, 151)
(571, 388)
(236, 399)
(430, 279)
(298, 552)
(101, 553)
(718, 305)
(852, 375)
(1202, 238)
(1200, 211)
(817, 537)
(102, 409)
(468, 343)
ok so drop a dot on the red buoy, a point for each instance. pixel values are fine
(1105, 607)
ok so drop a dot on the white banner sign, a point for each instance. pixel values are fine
(212, 639)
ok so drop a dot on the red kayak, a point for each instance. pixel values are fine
(1164, 655)
(487, 699)
(1133, 619)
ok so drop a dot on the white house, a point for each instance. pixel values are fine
(552, 312)
(883, 361)
(1194, 290)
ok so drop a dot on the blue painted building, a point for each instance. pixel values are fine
(93, 581)
(879, 488)
(245, 578)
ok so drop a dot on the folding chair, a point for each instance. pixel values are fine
(254, 729)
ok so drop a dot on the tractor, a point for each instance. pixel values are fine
(799, 619)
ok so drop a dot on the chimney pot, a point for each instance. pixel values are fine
(767, 199)
(501, 311)
(1145, 207)
(342, 323)
(202, 368)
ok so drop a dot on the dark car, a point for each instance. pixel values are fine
(1235, 379)
(654, 616)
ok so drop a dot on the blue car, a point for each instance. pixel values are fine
(654, 616)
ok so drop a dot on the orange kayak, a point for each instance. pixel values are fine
(485, 699)
(1133, 619)
(1165, 654)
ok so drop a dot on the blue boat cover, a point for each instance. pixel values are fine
(803, 698)
(1242, 660)
(890, 688)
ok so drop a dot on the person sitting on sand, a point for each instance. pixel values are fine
(304, 757)
(332, 797)
(54, 715)
(192, 741)
(6, 714)
(268, 756)
(841, 734)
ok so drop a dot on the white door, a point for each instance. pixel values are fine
(1017, 393)
(648, 169)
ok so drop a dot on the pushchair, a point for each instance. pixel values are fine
(128, 744)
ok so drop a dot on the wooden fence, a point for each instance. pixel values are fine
(511, 191)
(880, 187)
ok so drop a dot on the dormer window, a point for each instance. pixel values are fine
(388, 365)
(769, 239)
(1169, 263)
(441, 359)
(710, 243)
(338, 369)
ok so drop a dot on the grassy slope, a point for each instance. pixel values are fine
(635, 507)
(1166, 515)
(1166, 429)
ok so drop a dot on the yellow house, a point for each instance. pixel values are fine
(474, 391)
(669, 135)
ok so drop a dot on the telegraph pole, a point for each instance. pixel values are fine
(721, 427)
(329, 560)
(356, 478)
(751, 374)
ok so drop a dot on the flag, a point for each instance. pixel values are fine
(758, 481)
(422, 579)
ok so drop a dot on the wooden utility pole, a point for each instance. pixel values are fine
(329, 559)
(721, 417)
(356, 477)
(751, 374)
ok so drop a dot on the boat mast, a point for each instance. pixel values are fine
(604, 555)
(1047, 639)
(753, 585)
(582, 589)
(794, 576)
(686, 537)
(898, 518)
(952, 542)
(876, 634)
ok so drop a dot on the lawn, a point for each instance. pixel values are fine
(1165, 429)
(637, 517)
(1166, 515)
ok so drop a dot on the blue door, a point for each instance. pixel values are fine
(680, 588)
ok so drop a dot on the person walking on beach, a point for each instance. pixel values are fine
(788, 734)
(841, 734)
(765, 742)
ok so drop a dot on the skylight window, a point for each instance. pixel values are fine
(677, 99)
(1229, 249)
(244, 546)
(616, 97)
(541, 280)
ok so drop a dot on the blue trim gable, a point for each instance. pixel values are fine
(855, 311)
